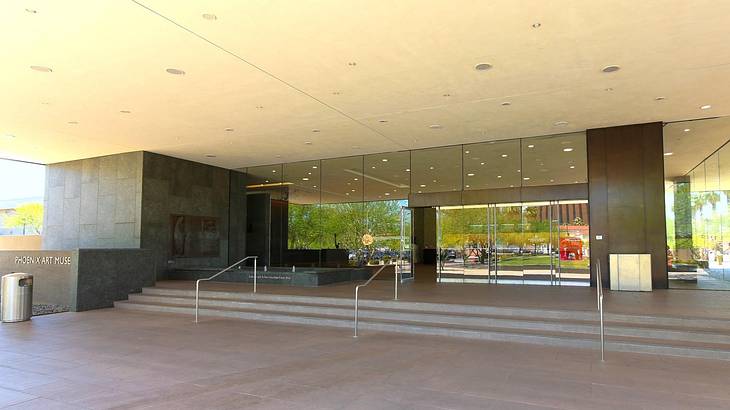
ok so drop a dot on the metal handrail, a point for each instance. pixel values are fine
(197, 282)
(357, 290)
(599, 296)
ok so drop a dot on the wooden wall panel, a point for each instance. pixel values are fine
(626, 195)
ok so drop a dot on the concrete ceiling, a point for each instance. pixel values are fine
(347, 77)
(690, 142)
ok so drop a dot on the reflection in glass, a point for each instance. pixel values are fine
(436, 170)
(552, 160)
(494, 164)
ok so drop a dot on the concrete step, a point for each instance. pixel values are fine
(551, 338)
(465, 320)
(658, 321)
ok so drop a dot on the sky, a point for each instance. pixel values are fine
(21, 180)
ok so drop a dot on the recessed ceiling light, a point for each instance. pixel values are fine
(481, 163)
(499, 176)
(307, 142)
(420, 192)
(423, 185)
(387, 193)
(229, 129)
(41, 68)
(125, 111)
(314, 167)
(408, 170)
(315, 130)
(209, 16)
(384, 159)
(687, 130)
(536, 25)
(552, 180)
(610, 68)
(73, 122)
(531, 146)
(305, 179)
(470, 174)
(352, 190)
(467, 186)
(482, 66)
(354, 179)
(567, 149)
(273, 170)
(660, 98)
(609, 89)
(259, 107)
(446, 95)
(309, 173)
(504, 155)
(572, 167)
(210, 155)
(432, 167)
(31, 11)
(434, 126)
(175, 71)
(267, 181)
(706, 107)
(561, 123)
(352, 63)
(526, 178)
(314, 186)
(466, 152)
(667, 154)
(506, 103)
(336, 93)
(382, 120)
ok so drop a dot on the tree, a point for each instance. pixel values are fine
(27, 216)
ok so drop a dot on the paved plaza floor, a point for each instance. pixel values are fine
(119, 359)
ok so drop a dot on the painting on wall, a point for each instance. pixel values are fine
(194, 236)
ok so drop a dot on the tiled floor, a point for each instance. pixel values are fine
(119, 359)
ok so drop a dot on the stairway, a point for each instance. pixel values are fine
(673, 336)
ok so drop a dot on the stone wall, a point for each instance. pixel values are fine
(94, 203)
(173, 186)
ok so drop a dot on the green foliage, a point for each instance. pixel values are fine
(342, 225)
(27, 216)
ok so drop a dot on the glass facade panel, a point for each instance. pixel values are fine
(696, 200)
(552, 160)
(343, 212)
(304, 233)
(494, 164)
(436, 169)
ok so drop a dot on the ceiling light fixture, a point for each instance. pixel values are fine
(660, 98)
(42, 69)
(307, 142)
(423, 185)
(706, 107)
(687, 130)
(352, 63)
(446, 95)
(229, 129)
(668, 154)
(175, 71)
(314, 167)
(526, 178)
(483, 67)
(499, 176)
(408, 170)
(610, 68)
(481, 163)
(434, 126)
(560, 123)
(210, 155)
(572, 167)
(125, 111)
(305, 179)
(506, 103)
(470, 174)
(536, 25)
(384, 159)
(567, 149)
(504, 155)
(383, 121)
(315, 130)
(531, 146)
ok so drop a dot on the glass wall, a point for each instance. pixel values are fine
(697, 195)
(346, 212)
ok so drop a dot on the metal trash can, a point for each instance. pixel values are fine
(16, 297)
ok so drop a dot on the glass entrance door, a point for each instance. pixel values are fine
(405, 258)
(538, 243)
